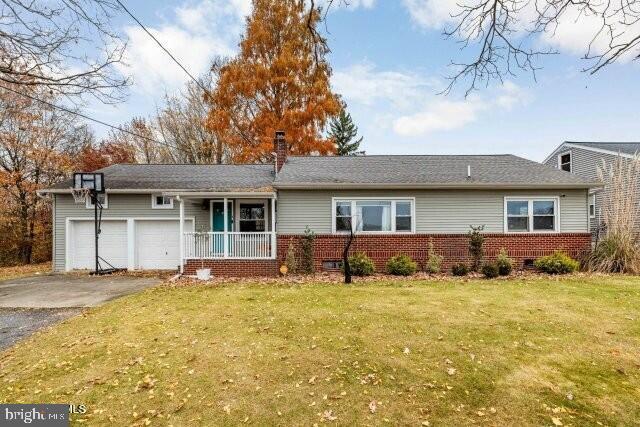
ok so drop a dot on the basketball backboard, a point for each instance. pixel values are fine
(89, 181)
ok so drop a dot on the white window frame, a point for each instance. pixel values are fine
(155, 205)
(530, 200)
(564, 153)
(592, 198)
(89, 205)
(393, 201)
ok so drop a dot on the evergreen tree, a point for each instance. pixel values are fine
(343, 130)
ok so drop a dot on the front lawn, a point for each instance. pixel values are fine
(519, 352)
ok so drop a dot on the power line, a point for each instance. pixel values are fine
(161, 45)
(84, 116)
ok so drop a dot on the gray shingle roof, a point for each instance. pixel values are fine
(186, 177)
(618, 147)
(449, 171)
(490, 171)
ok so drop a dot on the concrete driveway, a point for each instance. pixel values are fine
(31, 303)
(63, 291)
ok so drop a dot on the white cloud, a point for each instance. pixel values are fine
(408, 104)
(365, 4)
(578, 31)
(197, 33)
(348, 5)
(363, 84)
(444, 114)
(440, 115)
(511, 95)
(432, 14)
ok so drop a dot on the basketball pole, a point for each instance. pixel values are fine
(94, 199)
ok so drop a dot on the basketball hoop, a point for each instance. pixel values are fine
(80, 195)
(88, 186)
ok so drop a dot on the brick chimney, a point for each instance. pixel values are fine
(280, 148)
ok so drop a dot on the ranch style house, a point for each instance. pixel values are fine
(239, 220)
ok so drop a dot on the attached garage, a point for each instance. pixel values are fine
(136, 243)
(158, 244)
(112, 244)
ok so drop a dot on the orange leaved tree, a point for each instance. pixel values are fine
(278, 81)
(37, 146)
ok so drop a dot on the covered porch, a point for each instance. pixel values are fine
(228, 225)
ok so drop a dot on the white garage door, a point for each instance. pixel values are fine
(158, 244)
(112, 244)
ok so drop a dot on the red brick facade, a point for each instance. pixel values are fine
(234, 267)
(453, 247)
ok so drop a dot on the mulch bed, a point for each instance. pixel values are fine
(337, 278)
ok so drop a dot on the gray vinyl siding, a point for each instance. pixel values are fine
(585, 163)
(437, 211)
(119, 206)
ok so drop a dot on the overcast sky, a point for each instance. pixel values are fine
(390, 61)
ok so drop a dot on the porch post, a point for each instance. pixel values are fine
(181, 239)
(273, 228)
(225, 235)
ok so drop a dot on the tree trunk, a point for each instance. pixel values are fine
(26, 243)
(345, 259)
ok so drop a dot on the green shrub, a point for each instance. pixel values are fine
(305, 264)
(476, 246)
(557, 263)
(434, 261)
(459, 269)
(490, 270)
(401, 265)
(504, 263)
(361, 264)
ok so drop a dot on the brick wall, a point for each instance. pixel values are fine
(453, 247)
(234, 267)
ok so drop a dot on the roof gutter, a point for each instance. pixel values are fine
(460, 186)
(219, 193)
(168, 191)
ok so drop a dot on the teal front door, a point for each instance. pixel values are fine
(217, 223)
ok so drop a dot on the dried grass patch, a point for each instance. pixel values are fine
(17, 271)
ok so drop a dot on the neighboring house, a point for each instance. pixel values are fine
(170, 216)
(583, 159)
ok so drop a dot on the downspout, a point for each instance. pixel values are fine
(181, 237)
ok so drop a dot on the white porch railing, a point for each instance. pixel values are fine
(246, 245)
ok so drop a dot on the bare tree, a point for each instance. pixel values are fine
(140, 135)
(46, 43)
(181, 123)
(504, 33)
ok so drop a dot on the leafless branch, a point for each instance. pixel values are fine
(66, 46)
(503, 34)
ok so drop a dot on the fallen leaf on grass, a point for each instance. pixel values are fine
(329, 416)
(451, 371)
(556, 421)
